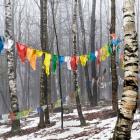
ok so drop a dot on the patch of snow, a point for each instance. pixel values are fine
(72, 127)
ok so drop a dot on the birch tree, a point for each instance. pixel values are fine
(11, 64)
(75, 72)
(130, 90)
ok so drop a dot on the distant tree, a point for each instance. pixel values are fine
(11, 64)
(93, 48)
(88, 85)
(75, 72)
(130, 89)
(57, 45)
(113, 60)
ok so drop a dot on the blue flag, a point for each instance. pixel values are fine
(1, 44)
(61, 59)
(115, 42)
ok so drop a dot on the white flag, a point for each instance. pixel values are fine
(8, 44)
(67, 60)
(96, 53)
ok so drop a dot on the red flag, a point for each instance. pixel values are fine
(74, 62)
(98, 60)
(22, 49)
(12, 116)
(113, 36)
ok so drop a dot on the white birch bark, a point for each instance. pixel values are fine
(11, 64)
(130, 90)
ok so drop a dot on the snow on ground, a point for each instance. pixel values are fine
(97, 129)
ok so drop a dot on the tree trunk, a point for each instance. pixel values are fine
(75, 73)
(88, 86)
(81, 79)
(44, 81)
(138, 14)
(93, 64)
(59, 65)
(130, 90)
(100, 66)
(11, 65)
(113, 61)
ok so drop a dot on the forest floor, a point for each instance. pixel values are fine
(100, 125)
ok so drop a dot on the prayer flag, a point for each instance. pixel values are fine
(83, 60)
(61, 59)
(113, 36)
(54, 62)
(5, 117)
(74, 62)
(12, 116)
(39, 53)
(22, 50)
(1, 44)
(68, 60)
(31, 56)
(47, 62)
(91, 56)
(8, 44)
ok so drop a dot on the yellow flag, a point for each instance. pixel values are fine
(104, 53)
(31, 56)
(106, 49)
(47, 62)
(83, 59)
(39, 53)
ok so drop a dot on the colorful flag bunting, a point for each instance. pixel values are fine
(72, 62)
(16, 116)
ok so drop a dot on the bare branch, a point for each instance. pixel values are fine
(36, 1)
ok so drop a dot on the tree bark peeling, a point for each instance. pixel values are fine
(11, 65)
(130, 93)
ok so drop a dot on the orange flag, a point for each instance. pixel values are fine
(31, 56)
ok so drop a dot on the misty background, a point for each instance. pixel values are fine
(26, 27)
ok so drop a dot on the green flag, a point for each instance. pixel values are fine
(54, 63)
